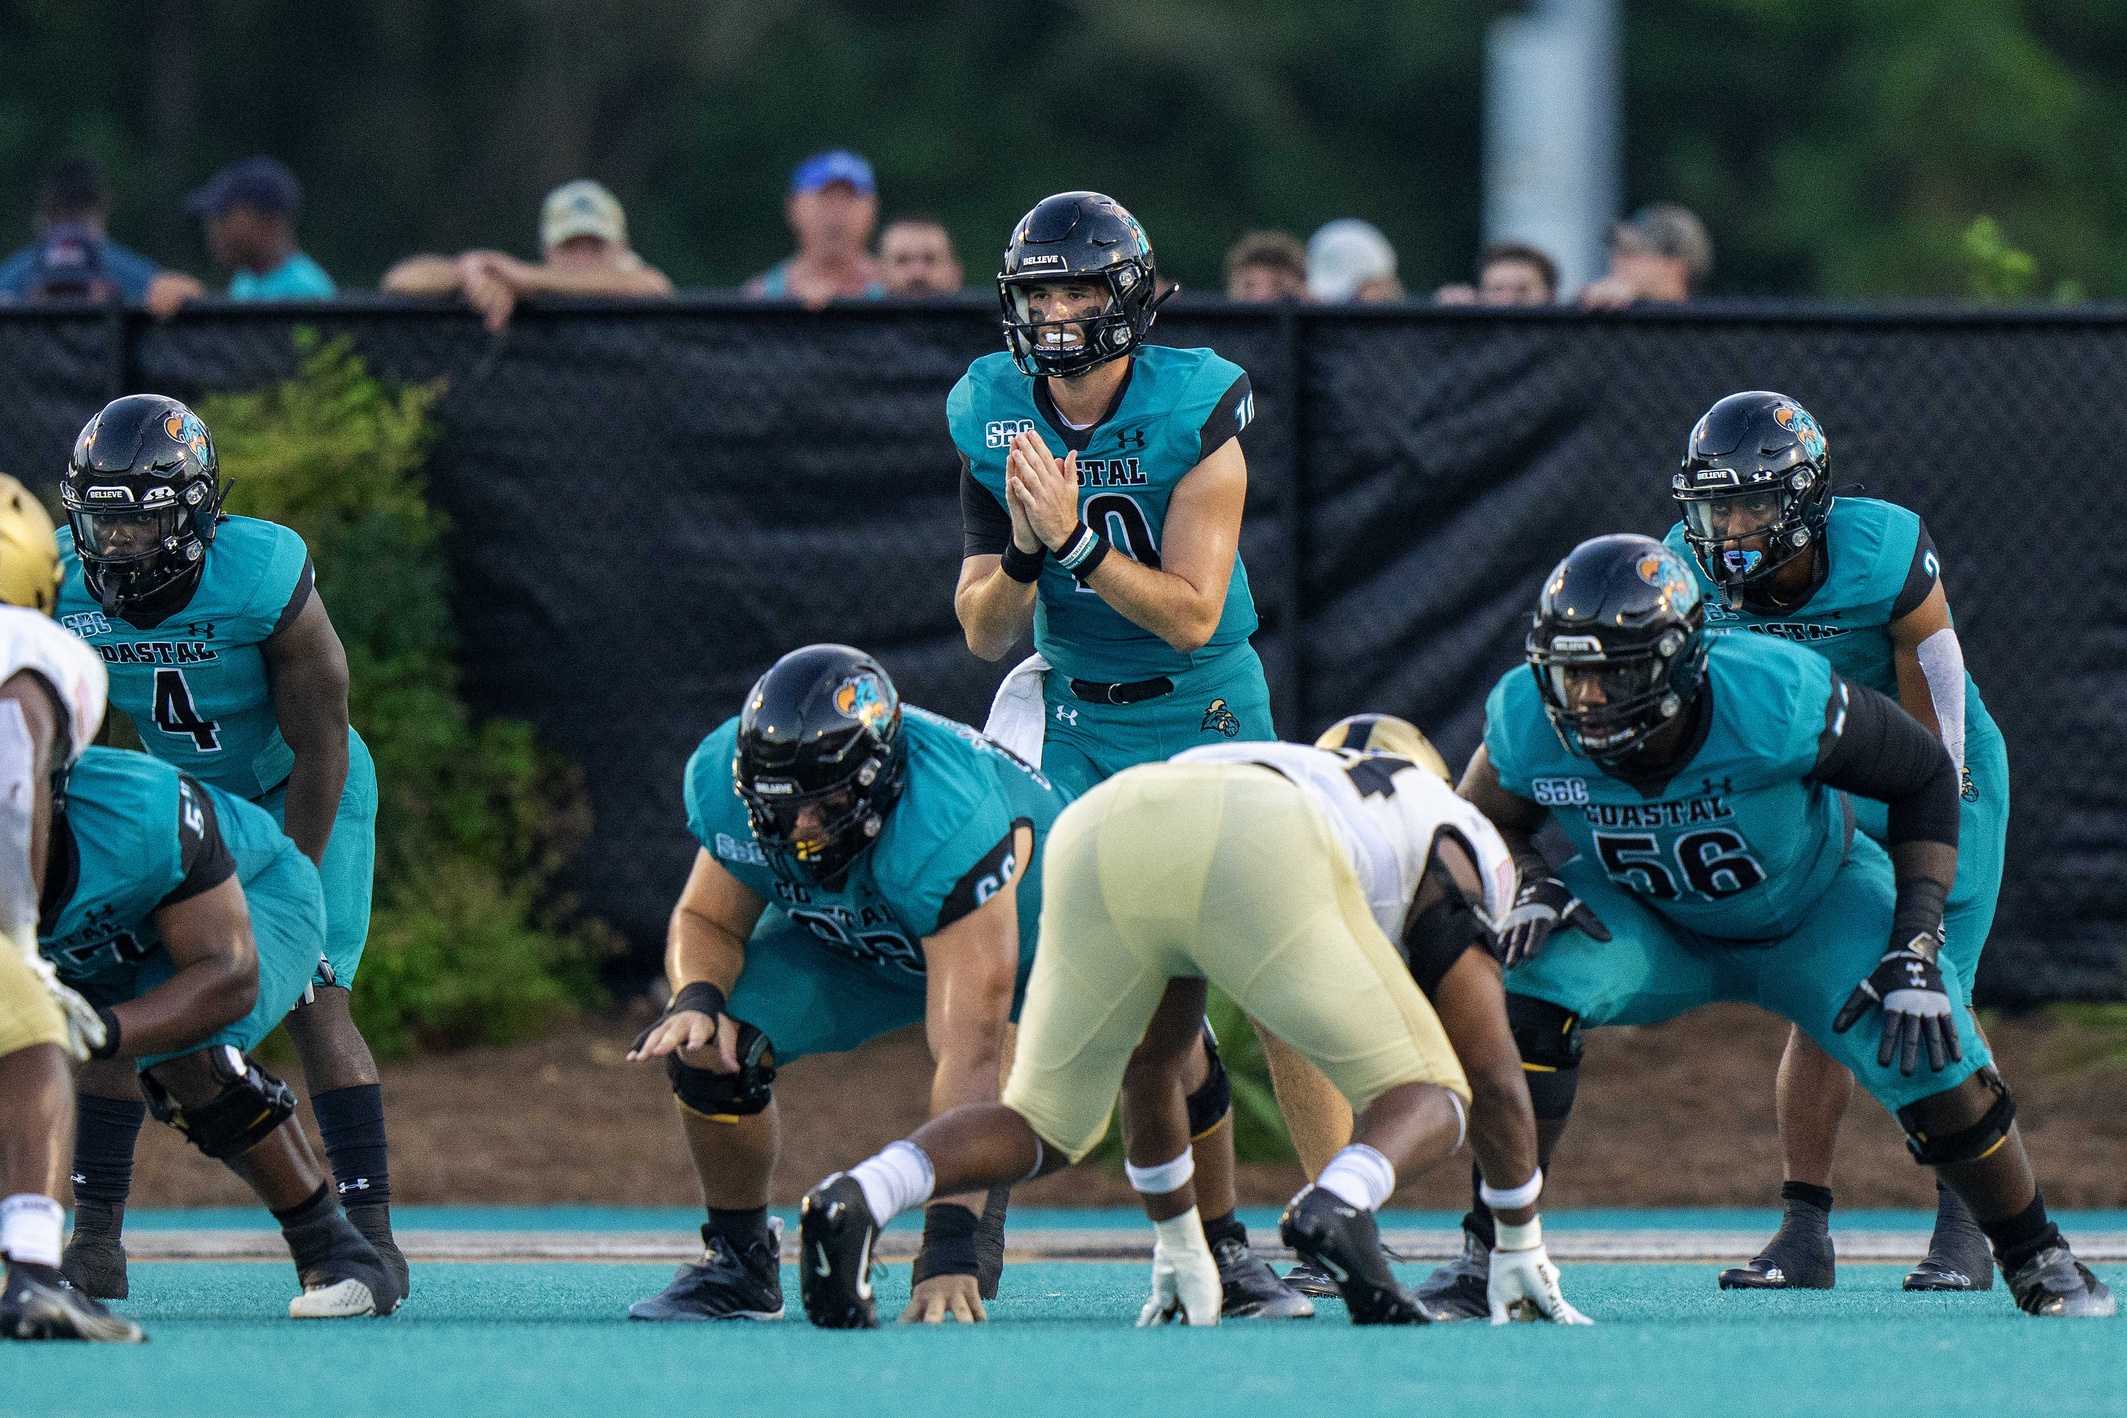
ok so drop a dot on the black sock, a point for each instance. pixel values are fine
(1813, 1203)
(105, 1130)
(351, 1120)
(1478, 1219)
(2016, 1239)
(1225, 1228)
(742, 1226)
(303, 1213)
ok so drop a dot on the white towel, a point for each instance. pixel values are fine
(1016, 714)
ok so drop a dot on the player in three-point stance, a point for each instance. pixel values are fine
(221, 653)
(863, 865)
(1101, 492)
(1856, 580)
(1342, 898)
(1703, 778)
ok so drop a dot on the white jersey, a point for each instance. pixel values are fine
(30, 640)
(1387, 812)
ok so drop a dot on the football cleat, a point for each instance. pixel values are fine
(374, 1222)
(1252, 1289)
(1311, 1280)
(1344, 1241)
(2054, 1283)
(38, 1304)
(1461, 1289)
(729, 1282)
(835, 1235)
(95, 1258)
(1798, 1257)
(341, 1274)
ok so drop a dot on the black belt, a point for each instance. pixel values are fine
(1136, 690)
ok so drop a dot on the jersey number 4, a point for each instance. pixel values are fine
(175, 715)
(1714, 864)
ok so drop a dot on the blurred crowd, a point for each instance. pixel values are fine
(249, 212)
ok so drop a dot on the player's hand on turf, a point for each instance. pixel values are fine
(945, 1297)
(1907, 982)
(1185, 1287)
(1046, 490)
(1524, 1285)
(702, 1041)
(1542, 906)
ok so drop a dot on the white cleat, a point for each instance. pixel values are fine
(346, 1300)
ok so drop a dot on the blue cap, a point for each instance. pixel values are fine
(839, 165)
(67, 260)
(264, 183)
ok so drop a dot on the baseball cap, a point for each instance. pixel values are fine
(581, 208)
(1344, 255)
(825, 169)
(262, 182)
(1666, 229)
(67, 261)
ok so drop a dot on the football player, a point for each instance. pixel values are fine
(1694, 773)
(221, 653)
(1342, 897)
(51, 701)
(1856, 580)
(863, 865)
(1101, 492)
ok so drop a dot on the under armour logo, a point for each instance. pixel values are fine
(359, 1184)
(1066, 716)
(1131, 439)
(1915, 975)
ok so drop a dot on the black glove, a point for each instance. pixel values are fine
(1907, 982)
(1542, 906)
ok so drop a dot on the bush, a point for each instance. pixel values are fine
(467, 944)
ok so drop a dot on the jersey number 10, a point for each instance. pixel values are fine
(174, 714)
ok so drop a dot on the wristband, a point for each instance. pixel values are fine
(1023, 566)
(1918, 913)
(109, 1048)
(701, 996)
(1519, 1238)
(1512, 1198)
(1081, 551)
(948, 1242)
(1162, 1179)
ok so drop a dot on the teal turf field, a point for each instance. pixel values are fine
(509, 1340)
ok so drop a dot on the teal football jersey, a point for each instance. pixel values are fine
(944, 850)
(1738, 842)
(1177, 407)
(195, 684)
(136, 833)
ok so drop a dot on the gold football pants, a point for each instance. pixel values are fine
(28, 1013)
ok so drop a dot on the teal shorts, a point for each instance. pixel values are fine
(812, 997)
(1087, 743)
(1653, 970)
(1982, 846)
(350, 867)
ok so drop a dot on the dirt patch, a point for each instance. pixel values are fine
(1678, 1114)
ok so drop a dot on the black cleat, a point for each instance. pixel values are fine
(1461, 1289)
(95, 1258)
(1311, 1280)
(38, 1304)
(729, 1282)
(835, 1235)
(1252, 1289)
(1798, 1257)
(1958, 1255)
(1345, 1243)
(2054, 1283)
(341, 1274)
(374, 1222)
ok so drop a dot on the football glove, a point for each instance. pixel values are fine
(1185, 1277)
(1907, 982)
(84, 1028)
(1543, 905)
(1524, 1285)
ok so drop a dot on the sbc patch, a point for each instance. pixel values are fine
(1560, 792)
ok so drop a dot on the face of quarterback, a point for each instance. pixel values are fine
(1058, 306)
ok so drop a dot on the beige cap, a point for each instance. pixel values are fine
(581, 208)
(1666, 229)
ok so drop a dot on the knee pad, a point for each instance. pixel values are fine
(1548, 1037)
(251, 1103)
(1435, 938)
(727, 1097)
(1213, 1099)
(1970, 1144)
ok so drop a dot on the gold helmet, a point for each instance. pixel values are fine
(1385, 733)
(29, 555)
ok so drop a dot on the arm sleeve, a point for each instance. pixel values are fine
(1874, 749)
(1228, 417)
(202, 855)
(985, 527)
(982, 880)
(1920, 576)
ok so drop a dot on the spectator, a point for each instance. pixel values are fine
(583, 251)
(1266, 266)
(916, 258)
(75, 196)
(249, 210)
(1350, 260)
(832, 207)
(1661, 254)
(1508, 273)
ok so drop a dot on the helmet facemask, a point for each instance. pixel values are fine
(1743, 535)
(1606, 703)
(132, 550)
(1077, 343)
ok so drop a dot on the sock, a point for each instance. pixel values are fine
(1805, 1202)
(895, 1180)
(2016, 1239)
(742, 1226)
(29, 1229)
(1225, 1228)
(105, 1130)
(1358, 1176)
(320, 1204)
(351, 1121)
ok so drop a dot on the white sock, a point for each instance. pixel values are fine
(895, 1180)
(1358, 1176)
(29, 1228)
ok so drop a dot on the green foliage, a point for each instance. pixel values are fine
(473, 818)
(1995, 270)
(1258, 1127)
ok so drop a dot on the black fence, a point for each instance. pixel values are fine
(653, 501)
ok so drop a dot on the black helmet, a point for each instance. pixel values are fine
(1089, 237)
(821, 729)
(143, 493)
(1627, 607)
(1757, 467)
